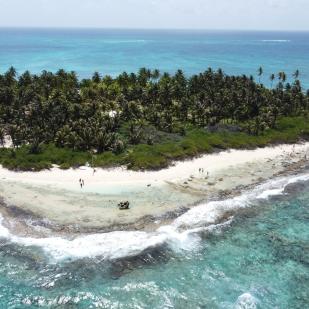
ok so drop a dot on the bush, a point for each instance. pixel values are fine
(156, 155)
(118, 146)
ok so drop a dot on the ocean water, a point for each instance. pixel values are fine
(114, 51)
(247, 252)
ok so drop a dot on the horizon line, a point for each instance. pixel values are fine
(149, 29)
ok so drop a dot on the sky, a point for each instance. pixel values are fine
(183, 14)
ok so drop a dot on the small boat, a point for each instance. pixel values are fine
(124, 205)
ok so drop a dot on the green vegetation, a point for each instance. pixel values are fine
(143, 156)
(144, 120)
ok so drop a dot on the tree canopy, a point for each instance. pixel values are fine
(105, 113)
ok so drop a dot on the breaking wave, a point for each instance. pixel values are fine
(183, 234)
(132, 41)
(246, 301)
(276, 41)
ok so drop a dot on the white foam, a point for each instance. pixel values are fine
(298, 178)
(108, 245)
(246, 301)
(282, 183)
(272, 192)
(124, 41)
(212, 212)
(113, 245)
(182, 234)
(276, 41)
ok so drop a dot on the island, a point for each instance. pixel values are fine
(75, 152)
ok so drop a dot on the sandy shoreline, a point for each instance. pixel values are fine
(55, 195)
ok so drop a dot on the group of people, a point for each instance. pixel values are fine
(201, 170)
(81, 182)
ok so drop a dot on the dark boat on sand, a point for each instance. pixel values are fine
(124, 205)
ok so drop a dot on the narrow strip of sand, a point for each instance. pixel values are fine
(56, 195)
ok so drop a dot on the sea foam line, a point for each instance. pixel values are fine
(182, 234)
(276, 41)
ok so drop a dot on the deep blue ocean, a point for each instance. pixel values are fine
(114, 51)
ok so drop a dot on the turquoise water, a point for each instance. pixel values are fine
(258, 259)
(114, 51)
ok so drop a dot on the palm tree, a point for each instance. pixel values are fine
(58, 108)
(135, 132)
(220, 72)
(2, 136)
(155, 74)
(103, 140)
(96, 77)
(260, 73)
(9, 76)
(282, 77)
(296, 74)
(272, 78)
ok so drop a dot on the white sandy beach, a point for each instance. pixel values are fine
(56, 194)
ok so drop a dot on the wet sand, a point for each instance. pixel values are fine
(54, 198)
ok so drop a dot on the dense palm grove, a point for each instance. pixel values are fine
(108, 113)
